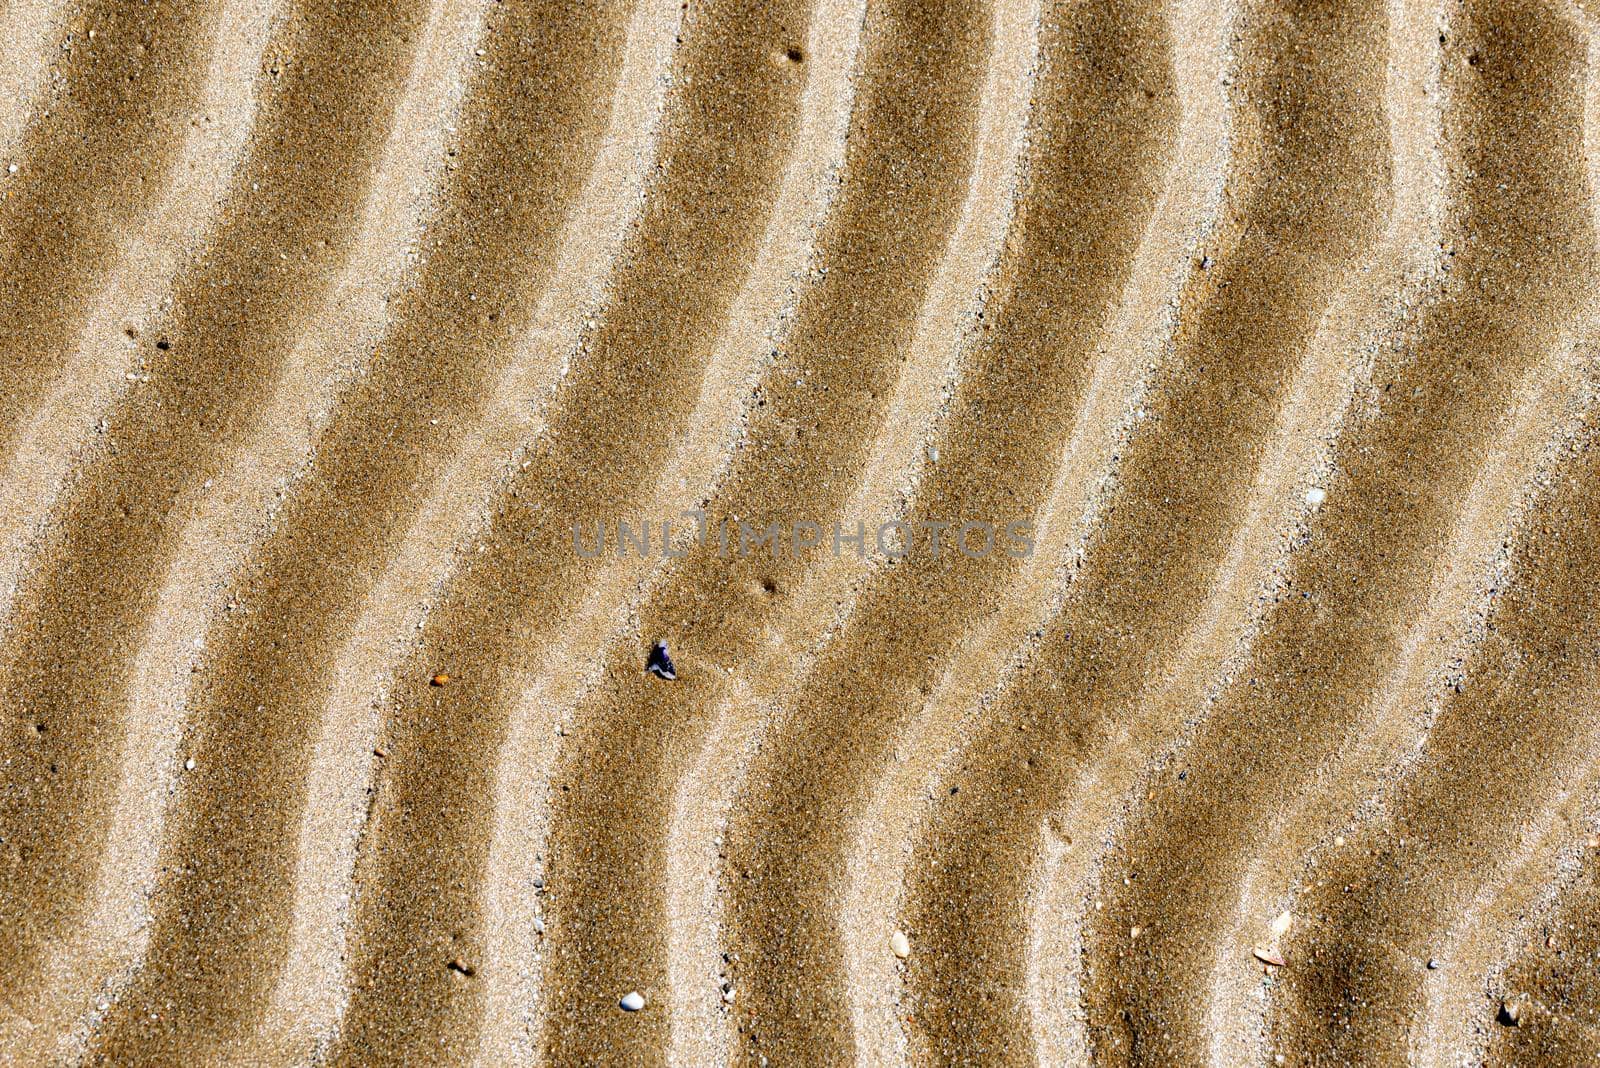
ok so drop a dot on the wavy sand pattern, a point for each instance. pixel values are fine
(1214, 677)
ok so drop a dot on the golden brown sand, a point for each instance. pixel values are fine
(327, 324)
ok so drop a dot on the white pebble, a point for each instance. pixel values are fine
(188, 765)
(1315, 496)
(632, 1001)
(900, 944)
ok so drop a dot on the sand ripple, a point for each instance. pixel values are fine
(1273, 323)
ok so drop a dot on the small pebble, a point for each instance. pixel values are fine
(900, 944)
(439, 680)
(1433, 964)
(1315, 496)
(1134, 932)
(1510, 1014)
(727, 995)
(632, 1001)
(1281, 925)
(659, 664)
(188, 765)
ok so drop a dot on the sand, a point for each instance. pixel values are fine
(1273, 326)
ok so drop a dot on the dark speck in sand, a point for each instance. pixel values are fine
(659, 663)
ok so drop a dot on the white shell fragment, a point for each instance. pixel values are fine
(900, 944)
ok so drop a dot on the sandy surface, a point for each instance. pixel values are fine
(333, 331)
